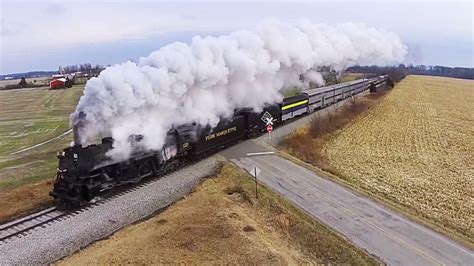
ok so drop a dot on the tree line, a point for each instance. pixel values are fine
(84, 68)
(402, 70)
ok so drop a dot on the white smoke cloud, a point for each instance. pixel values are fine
(212, 76)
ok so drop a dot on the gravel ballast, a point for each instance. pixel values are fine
(67, 235)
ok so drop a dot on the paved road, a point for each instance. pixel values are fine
(391, 237)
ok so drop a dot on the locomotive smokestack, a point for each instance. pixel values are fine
(78, 126)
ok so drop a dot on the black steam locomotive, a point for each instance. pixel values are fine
(85, 172)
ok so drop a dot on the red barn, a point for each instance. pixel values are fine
(57, 83)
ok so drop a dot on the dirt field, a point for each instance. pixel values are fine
(415, 149)
(29, 117)
(221, 222)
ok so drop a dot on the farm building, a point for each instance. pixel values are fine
(59, 83)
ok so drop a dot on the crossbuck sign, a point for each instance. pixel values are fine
(267, 118)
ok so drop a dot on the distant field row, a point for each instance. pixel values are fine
(35, 82)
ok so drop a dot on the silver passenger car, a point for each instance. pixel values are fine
(325, 96)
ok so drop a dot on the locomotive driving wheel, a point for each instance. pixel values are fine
(172, 166)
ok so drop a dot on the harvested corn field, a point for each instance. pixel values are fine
(414, 148)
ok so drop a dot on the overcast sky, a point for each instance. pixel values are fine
(41, 35)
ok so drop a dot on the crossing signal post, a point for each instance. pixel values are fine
(268, 120)
(269, 129)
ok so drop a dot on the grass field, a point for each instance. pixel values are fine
(346, 77)
(29, 117)
(35, 81)
(221, 222)
(415, 149)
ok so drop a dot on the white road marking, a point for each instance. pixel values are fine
(260, 153)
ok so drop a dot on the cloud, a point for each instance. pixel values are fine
(9, 30)
(29, 28)
(55, 9)
(34, 26)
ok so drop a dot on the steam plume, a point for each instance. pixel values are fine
(210, 77)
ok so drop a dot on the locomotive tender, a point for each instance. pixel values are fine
(85, 172)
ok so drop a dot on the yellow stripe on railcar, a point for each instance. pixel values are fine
(293, 105)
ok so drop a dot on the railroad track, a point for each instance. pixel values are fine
(22, 226)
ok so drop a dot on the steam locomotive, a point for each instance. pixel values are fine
(86, 172)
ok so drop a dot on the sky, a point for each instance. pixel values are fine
(42, 35)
